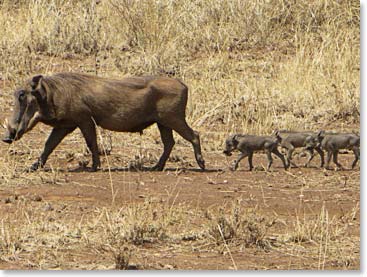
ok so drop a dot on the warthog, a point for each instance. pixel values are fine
(290, 140)
(67, 101)
(248, 144)
(333, 142)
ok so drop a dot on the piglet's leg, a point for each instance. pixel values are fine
(240, 157)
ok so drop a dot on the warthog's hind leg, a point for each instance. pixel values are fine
(356, 156)
(88, 129)
(181, 127)
(276, 152)
(168, 143)
(311, 155)
(335, 159)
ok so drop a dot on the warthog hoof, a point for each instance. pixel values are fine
(233, 168)
(201, 163)
(7, 140)
(93, 169)
(35, 166)
(157, 167)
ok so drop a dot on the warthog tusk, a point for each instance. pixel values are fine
(33, 121)
(5, 123)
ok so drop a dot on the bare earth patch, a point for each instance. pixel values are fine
(304, 218)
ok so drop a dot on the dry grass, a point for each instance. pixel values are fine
(48, 235)
(251, 66)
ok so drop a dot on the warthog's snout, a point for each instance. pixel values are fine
(9, 135)
(7, 140)
(226, 152)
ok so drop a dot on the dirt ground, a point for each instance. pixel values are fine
(288, 197)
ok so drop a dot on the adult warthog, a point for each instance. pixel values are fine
(67, 101)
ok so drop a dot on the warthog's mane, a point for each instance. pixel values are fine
(65, 81)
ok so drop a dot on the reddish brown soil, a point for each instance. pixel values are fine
(278, 192)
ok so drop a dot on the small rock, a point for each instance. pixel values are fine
(48, 207)
(83, 164)
(169, 267)
(37, 198)
(7, 200)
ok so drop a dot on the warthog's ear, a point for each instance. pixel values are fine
(321, 133)
(276, 135)
(36, 81)
(37, 89)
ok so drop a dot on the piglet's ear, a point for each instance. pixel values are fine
(321, 133)
(36, 82)
(235, 140)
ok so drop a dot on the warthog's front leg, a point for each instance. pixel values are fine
(240, 157)
(321, 153)
(270, 159)
(289, 156)
(311, 155)
(328, 158)
(53, 140)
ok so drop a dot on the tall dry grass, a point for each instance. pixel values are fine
(252, 66)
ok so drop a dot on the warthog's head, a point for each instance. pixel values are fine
(26, 109)
(314, 141)
(231, 144)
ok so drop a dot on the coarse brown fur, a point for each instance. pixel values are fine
(67, 101)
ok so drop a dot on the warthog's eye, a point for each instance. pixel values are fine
(21, 95)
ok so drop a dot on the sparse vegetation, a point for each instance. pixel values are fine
(251, 67)
(120, 235)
